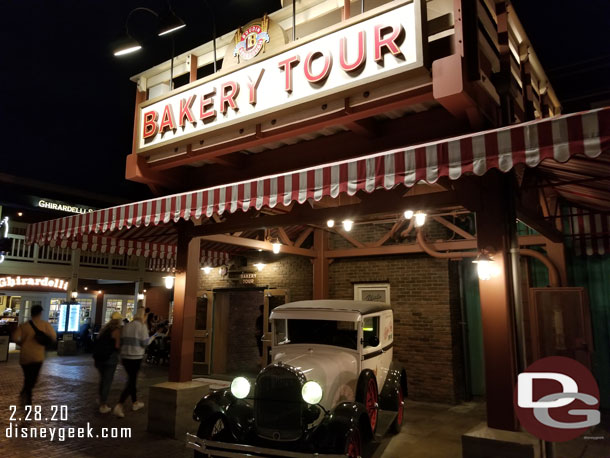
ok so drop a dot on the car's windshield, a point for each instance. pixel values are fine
(324, 332)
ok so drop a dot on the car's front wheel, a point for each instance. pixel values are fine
(353, 444)
(214, 429)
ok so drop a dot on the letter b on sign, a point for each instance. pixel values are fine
(557, 399)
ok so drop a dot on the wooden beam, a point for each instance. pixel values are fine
(320, 264)
(453, 227)
(349, 238)
(454, 245)
(302, 236)
(388, 234)
(284, 237)
(458, 245)
(539, 224)
(256, 244)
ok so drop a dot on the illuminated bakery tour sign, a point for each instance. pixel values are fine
(376, 48)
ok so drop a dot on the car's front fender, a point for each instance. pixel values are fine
(238, 414)
(343, 419)
(397, 378)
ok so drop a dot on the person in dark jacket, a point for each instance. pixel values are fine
(106, 355)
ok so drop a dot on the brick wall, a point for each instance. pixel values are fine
(425, 298)
(426, 317)
(294, 273)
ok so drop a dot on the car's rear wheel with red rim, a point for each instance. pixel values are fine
(400, 402)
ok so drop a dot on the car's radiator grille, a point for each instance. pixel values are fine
(278, 404)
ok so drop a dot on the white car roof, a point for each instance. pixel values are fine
(362, 307)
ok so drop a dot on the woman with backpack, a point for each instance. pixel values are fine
(106, 356)
(33, 337)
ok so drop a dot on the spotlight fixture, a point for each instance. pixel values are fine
(170, 23)
(408, 214)
(206, 269)
(126, 45)
(420, 219)
(330, 223)
(169, 281)
(259, 265)
(166, 24)
(348, 224)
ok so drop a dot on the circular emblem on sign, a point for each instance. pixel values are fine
(557, 399)
(250, 42)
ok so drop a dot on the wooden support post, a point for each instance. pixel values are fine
(185, 305)
(320, 264)
(496, 232)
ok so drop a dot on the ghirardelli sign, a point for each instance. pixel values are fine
(382, 44)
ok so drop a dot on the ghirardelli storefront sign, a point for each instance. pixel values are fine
(317, 69)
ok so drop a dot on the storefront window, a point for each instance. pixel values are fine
(54, 310)
(85, 310)
(130, 311)
(113, 305)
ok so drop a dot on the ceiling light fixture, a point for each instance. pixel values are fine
(348, 224)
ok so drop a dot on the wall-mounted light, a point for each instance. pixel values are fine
(348, 224)
(259, 265)
(408, 214)
(486, 266)
(420, 219)
(86, 288)
(277, 246)
(206, 270)
(74, 294)
(19, 213)
(330, 223)
(140, 296)
(143, 290)
(169, 281)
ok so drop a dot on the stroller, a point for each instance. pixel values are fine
(158, 351)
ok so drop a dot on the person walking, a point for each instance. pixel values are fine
(134, 340)
(106, 356)
(33, 337)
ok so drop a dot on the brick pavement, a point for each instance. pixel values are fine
(72, 381)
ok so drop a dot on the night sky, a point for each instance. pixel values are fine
(66, 103)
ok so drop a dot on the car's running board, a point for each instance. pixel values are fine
(213, 448)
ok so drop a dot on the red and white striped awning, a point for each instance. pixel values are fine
(558, 138)
(115, 245)
(589, 230)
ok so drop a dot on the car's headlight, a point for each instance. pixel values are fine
(240, 387)
(312, 392)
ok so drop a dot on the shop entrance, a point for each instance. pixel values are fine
(230, 336)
